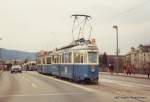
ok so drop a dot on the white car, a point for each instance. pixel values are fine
(16, 68)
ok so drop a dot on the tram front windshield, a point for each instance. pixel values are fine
(92, 56)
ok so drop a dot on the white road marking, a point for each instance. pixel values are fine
(120, 83)
(23, 77)
(116, 82)
(124, 83)
(69, 83)
(49, 94)
(27, 80)
(34, 85)
(143, 85)
(73, 84)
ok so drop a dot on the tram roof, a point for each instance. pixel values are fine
(85, 47)
(80, 44)
(75, 43)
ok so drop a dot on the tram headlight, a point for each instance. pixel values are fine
(93, 68)
(85, 75)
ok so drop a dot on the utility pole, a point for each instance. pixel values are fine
(117, 49)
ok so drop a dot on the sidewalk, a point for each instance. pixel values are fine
(122, 74)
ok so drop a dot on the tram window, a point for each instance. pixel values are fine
(82, 59)
(52, 59)
(43, 60)
(77, 58)
(85, 58)
(48, 60)
(55, 59)
(63, 58)
(70, 57)
(92, 57)
(58, 58)
(38, 61)
(67, 57)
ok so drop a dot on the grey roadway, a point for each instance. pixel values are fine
(34, 87)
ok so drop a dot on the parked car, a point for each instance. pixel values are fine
(16, 68)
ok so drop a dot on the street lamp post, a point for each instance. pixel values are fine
(117, 49)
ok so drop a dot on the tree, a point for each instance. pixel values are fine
(100, 60)
(104, 59)
(26, 61)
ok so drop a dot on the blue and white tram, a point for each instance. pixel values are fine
(76, 62)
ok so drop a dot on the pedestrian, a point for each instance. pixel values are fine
(133, 69)
(128, 69)
(109, 68)
(27, 67)
(148, 70)
(112, 68)
(124, 69)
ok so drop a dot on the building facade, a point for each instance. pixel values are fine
(112, 59)
(139, 57)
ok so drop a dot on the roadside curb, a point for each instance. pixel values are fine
(115, 74)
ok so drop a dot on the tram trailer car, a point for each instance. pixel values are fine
(75, 62)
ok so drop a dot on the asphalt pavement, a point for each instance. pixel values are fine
(34, 87)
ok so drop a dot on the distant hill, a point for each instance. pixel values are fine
(7, 54)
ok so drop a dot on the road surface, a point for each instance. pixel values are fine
(34, 87)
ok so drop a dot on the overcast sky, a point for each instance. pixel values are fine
(34, 25)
